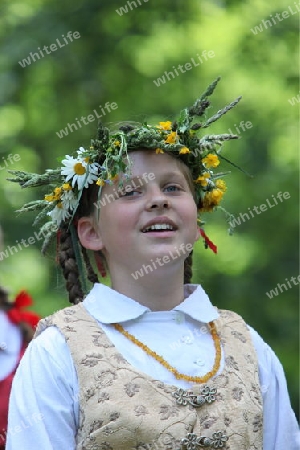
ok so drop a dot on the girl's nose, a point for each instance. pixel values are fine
(157, 200)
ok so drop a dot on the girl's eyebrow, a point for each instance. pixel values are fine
(175, 174)
(144, 179)
(167, 174)
(172, 173)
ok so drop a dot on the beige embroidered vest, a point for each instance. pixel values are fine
(122, 408)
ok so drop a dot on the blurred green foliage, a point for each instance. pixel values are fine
(116, 59)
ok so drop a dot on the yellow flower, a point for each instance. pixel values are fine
(56, 194)
(211, 160)
(49, 198)
(159, 150)
(216, 195)
(212, 199)
(220, 184)
(184, 150)
(203, 179)
(117, 143)
(171, 139)
(67, 187)
(165, 125)
(100, 182)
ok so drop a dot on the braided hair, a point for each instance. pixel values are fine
(69, 266)
(188, 273)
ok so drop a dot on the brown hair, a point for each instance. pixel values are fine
(72, 253)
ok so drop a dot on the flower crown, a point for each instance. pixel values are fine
(106, 159)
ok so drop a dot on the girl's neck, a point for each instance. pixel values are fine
(159, 293)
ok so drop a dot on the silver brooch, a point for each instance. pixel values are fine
(192, 441)
(184, 397)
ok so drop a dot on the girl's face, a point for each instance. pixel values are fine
(153, 216)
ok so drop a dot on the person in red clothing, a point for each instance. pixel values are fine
(17, 328)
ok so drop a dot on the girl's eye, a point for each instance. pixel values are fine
(130, 193)
(173, 188)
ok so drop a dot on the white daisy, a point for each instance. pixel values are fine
(69, 200)
(59, 213)
(81, 152)
(79, 171)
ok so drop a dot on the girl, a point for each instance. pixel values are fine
(148, 363)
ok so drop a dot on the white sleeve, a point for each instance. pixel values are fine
(43, 408)
(280, 425)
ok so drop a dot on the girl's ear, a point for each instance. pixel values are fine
(88, 235)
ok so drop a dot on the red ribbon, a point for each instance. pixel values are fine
(100, 264)
(16, 314)
(207, 242)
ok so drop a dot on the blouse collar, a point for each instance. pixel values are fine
(109, 306)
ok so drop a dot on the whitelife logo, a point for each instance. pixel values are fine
(90, 118)
(27, 422)
(280, 197)
(274, 292)
(182, 68)
(284, 15)
(241, 127)
(124, 9)
(294, 100)
(53, 47)
(120, 192)
(10, 159)
(159, 262)
(11, 250)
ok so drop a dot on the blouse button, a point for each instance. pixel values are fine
(199, 362)
(187, 339)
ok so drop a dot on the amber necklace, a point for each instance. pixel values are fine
(163, 362)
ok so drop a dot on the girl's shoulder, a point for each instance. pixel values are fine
(49, 351)
(61, 318)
